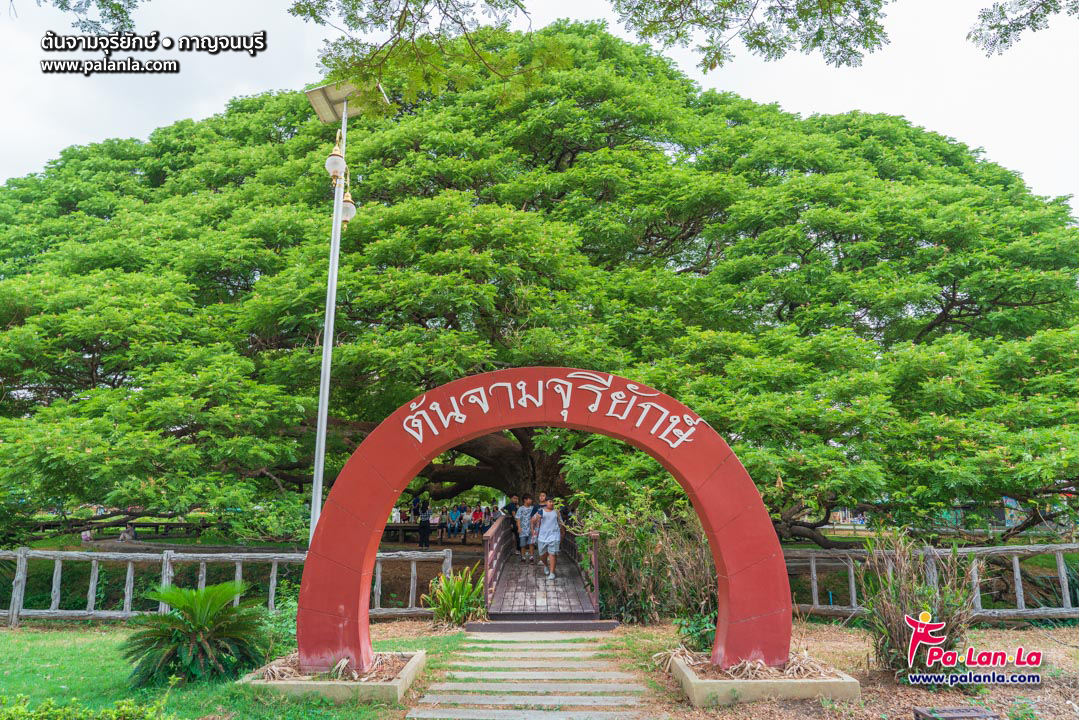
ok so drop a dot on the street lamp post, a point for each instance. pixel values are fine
(323, 100)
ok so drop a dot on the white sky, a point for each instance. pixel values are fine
(1020, 107)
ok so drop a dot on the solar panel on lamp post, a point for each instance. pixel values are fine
(331, 105)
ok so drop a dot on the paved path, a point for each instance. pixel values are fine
(532, 676)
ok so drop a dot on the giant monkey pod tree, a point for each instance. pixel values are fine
(871, 314)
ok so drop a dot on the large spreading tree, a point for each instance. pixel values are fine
(874, 315)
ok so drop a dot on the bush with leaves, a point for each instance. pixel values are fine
(655, 560)
(456, 598)
(697, 632)
(279, 624)
(202, 637)
(19, 709)
(897, 580)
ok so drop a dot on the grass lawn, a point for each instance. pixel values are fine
(83, 662)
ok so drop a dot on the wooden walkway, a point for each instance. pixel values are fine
(523, 593)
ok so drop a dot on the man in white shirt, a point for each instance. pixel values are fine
(547, 527)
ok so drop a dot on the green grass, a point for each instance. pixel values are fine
(84, 663)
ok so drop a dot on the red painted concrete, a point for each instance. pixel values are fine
(754, 596)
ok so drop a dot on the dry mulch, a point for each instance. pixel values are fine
(387, 666)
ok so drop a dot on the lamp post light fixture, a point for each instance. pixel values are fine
(326, 100)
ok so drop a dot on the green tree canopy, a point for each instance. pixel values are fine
(874, 315)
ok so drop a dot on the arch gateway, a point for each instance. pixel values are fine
(754, 595)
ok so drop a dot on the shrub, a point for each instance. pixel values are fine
(697, 632)
(896, 581)
(202, 637)
(279, 626)
(456, 598)
(19, 709)
(653, 563)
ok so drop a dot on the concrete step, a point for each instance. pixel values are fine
(539, 625)
(537, 687)
(554, 701)
(455, 713)
(517, 646)
(540, 675)
(541, 614)
(500, 655)
(491, 637)
(552, 663)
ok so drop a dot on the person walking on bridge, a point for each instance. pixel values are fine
(547, 528)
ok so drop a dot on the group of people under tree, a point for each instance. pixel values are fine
(457, 520)
(537, 528)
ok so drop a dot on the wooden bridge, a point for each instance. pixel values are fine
(518, 592)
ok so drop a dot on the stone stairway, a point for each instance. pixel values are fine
(532, 676)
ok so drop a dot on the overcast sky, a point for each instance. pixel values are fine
(1020, 107)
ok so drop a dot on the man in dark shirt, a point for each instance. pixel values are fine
(511, 510)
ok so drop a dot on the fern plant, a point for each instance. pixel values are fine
(203, 636)
(457, 598)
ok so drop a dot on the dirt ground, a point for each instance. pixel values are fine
(849, 650)
(396, 576)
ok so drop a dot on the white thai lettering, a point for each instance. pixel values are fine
(477, 396)
(619, 398)
(645, 407)
(509, 391)
(525, 398)
(413, 423)
(564, 389)
(603, 384)
(453, 415)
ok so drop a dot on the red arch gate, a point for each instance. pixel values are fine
(754, 595)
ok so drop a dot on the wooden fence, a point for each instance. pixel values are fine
(818, 559)
(167, 561)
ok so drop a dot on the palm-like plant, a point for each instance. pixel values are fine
(202, 637)
(456, 598)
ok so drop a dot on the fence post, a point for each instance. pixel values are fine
(273, 586)
(1062, 575)
(166, 578)
(931, 568)
(91, 592)
(813, 589)
(18, 587)
(57, 573)
(412, 587)
(976, 582)
(852, 590)
(378, 584)
(239, 580)
(447, 562)
(1020, 601)
(129, 587)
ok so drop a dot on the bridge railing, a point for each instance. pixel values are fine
(589, 563)
(819, 559)
(167, 561)
(498, 544)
